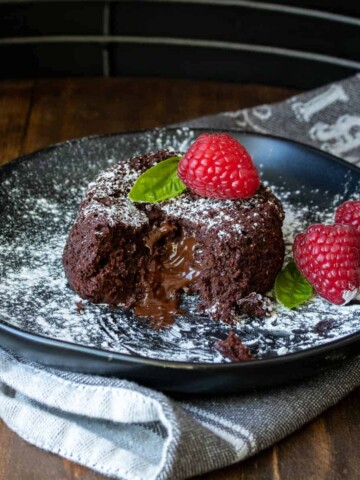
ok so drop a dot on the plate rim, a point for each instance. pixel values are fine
(99, 136)
(108, 355)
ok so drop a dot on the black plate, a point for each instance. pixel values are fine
(39, 196)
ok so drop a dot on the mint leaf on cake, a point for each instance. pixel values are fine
(158, 183)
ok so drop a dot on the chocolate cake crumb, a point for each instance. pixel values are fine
(255, 305)
(324, 327)
(233, 349)
(80, 307)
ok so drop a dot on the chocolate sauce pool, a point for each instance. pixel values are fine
(171, 269)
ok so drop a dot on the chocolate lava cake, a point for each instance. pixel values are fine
(144, 256)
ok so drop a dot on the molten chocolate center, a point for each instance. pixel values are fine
(171, 269)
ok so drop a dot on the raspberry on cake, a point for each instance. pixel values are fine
(145, 255)
(218, 166)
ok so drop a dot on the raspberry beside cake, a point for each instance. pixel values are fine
(145, 255)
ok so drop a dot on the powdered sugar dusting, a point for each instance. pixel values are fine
(116, 211)
(106, 203)
(39, 198)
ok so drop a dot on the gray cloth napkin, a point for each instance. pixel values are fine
(129, 432)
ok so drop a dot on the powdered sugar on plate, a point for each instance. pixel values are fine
(39, 198)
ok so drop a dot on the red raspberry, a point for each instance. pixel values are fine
(328, 257)
(349, 213)
(218, 166)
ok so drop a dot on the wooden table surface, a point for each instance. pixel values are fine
(34, 114)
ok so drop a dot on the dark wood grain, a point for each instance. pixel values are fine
(15, 107)
(34, 114)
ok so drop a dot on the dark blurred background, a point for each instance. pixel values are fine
(292, 43)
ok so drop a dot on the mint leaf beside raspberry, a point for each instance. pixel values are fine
(215, 166)
(291, 288)
(158, 183)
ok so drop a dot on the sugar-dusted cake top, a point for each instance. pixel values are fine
(107, 196)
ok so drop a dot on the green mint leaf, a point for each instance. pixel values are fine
(291, 288)
(158, 183)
